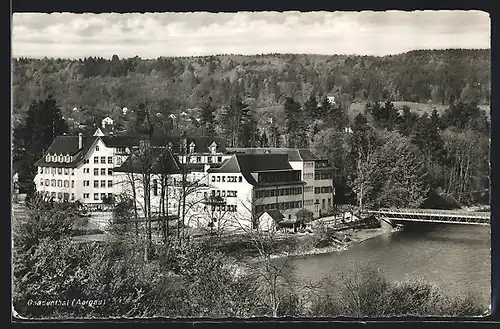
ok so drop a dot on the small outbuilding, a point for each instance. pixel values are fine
(269, 220)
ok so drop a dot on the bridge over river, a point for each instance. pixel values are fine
(433, 216)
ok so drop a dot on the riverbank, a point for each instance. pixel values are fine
(350, 237)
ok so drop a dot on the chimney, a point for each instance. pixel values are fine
(80, 140)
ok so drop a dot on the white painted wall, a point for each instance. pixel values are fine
(243, 200)
(307, 169)
(123, 187)
(79, 174)
(266, 223)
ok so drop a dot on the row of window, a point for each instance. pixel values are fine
(289, 176)
(59, 195)
(103, 160)
(284, 191)
(230, 179)
(308, 164)
(223, 193)
(58, 171)
(321, 176)
(96, 183)
(228, 208)
(96, 171)
(309, 202)
(323, 203)
(323, 189)
(279, 206)
(309, 176)
(57, 183)
(96, 196)
(198, 159)
(59, 158)
(308, 189)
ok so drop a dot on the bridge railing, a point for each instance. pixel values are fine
(434, 216)
(433, 212)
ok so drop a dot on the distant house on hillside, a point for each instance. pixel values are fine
(124, 111)
(331, 99)
(107, 121)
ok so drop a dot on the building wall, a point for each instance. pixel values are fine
(125, 183)
(240, 213)
(288, 212)
(307, 169)
(323, 194)
(266, 223)
(64, 179)
(88, 193)
(81, 177)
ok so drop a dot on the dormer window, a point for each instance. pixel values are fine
(60, 158)
(68, 158)
(191, 147)
(47, 158)
(53, 158)
(213, 148)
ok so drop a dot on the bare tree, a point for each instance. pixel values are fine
(275, 273)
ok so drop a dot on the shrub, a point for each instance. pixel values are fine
(366, 293)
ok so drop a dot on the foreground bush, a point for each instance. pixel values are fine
(366, 293)
(193, 280)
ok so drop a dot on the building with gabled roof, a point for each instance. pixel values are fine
(161, 170)
(79, 168)
(251, 184)
(319, 192)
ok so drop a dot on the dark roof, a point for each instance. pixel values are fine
(293, 154)
(107, 129)
(246, 164)
(329, 168)
(64, 145)
(276, 215)
(67, 144)
(200, 167)
(162, 162)
(307, 155)
(202, 143)
(120, 141)
(263, 162)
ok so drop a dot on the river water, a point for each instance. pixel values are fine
(455, 257)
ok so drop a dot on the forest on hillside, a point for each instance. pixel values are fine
(384, 155)
(100, 87)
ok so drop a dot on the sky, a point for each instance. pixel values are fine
(151, 35)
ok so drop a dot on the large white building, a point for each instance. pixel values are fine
(172, 162)
(78, 168)
(248, 185)
(225, 187)
(317, 174)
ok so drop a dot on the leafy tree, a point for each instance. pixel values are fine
(43, 123)
(295, 124)
(263, 142)
(400, 174)
(363, 143)
(333, 145)
(208, 117)
(407, 123)
(311, 109)
(236, 118)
